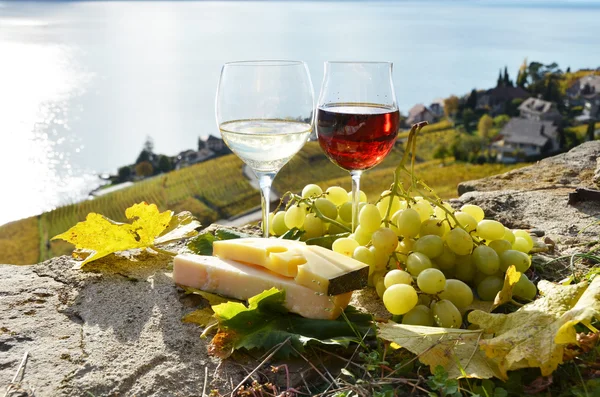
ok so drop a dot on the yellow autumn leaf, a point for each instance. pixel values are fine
(510, 279)
(101, 236)
(534, 335)
(457, 350)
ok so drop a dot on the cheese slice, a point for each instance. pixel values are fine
(315, 267)
(278, 255)
(240, 281)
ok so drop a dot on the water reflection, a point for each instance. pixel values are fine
(37, 84)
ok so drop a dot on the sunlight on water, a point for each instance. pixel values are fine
(36, 144)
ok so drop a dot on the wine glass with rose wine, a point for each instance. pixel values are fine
(357, 118)
(264, 111)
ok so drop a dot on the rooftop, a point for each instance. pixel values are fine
(531, 132)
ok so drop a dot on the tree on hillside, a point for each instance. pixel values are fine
(451, 106)
(143, 156)
(522, 75)
(164, 163)
(149, 144)
(506, 81)
(144, 169)
(500, 81)
(590, 131)
(501, 120)
(484, 127)
(468, 116)
(441, 152)
(472, 100)
(124, 174)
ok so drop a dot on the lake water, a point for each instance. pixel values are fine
(82, 84)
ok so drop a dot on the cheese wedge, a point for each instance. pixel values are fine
(317, 268)
(240, 281)
(278, 255)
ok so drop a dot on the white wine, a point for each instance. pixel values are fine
(265, 145)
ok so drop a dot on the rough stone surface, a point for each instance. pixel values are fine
(115, 329)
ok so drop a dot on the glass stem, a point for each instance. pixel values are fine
(265, 179)
(355, 196)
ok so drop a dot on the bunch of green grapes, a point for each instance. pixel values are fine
(426, 261)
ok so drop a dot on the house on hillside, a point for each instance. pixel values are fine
(497, 99)
(585, 92)
(521, 139)
(539, 109)
(437, 108)
(189, 157)
(214, 144)
(419, 113)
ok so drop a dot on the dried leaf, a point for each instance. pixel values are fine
(182, 225)
(536, 334)
(456, 350)
(505, 295)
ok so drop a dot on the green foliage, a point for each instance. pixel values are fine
(472, 100)
(124, 174)
(439, 382)
(202, 244)
(501, 120)
(164, 163)
(484, 127)
(468, 117)
(266, 323)
(451, 106)
(144, 169)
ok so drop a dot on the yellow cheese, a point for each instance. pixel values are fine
(240, 281)
(278, 255)
(317, 268)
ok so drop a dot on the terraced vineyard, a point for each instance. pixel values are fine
(217, 189)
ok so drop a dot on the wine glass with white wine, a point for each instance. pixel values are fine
(265, 114)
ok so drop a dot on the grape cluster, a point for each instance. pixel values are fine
(427, 261)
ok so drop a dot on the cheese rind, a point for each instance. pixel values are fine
(240, 281)
(315, 267)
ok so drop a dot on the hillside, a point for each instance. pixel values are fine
(216, 189)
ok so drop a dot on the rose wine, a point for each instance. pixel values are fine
(357, 136)
(265, 145)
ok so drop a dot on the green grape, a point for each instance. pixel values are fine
(478, 277)
(446, 315)
(381, 258)
(449, 273)
(447, 260)
(369, 218)
(362, 197)
(374, 277)
(417, 262)
(425, 300)
(508, 235)
(518, 259)
(459, 241)
(345, 246)
(385, 240)
(380, 288)
(440, 213)
(500, 246)
(486, 260)
(397, 276)
(408, 222)
(279, 227)
(489, 287)
(313, 226)
(311, 190)
(294, 217)
(474, 210)
(345, 212)
(522, 245)
(400, 298)
(433, 226)
(466, 220)
(384, 203)
(424, 209)
(431, 281)
(362, 236)
(525, 235)
(431, 245)
(525, 289)
(418, 315)
(364, 255)
(326, 207)
(465, 269)
(458, 293)
(406, 246)
(336, 229)
(337, 195)
(490, 230)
